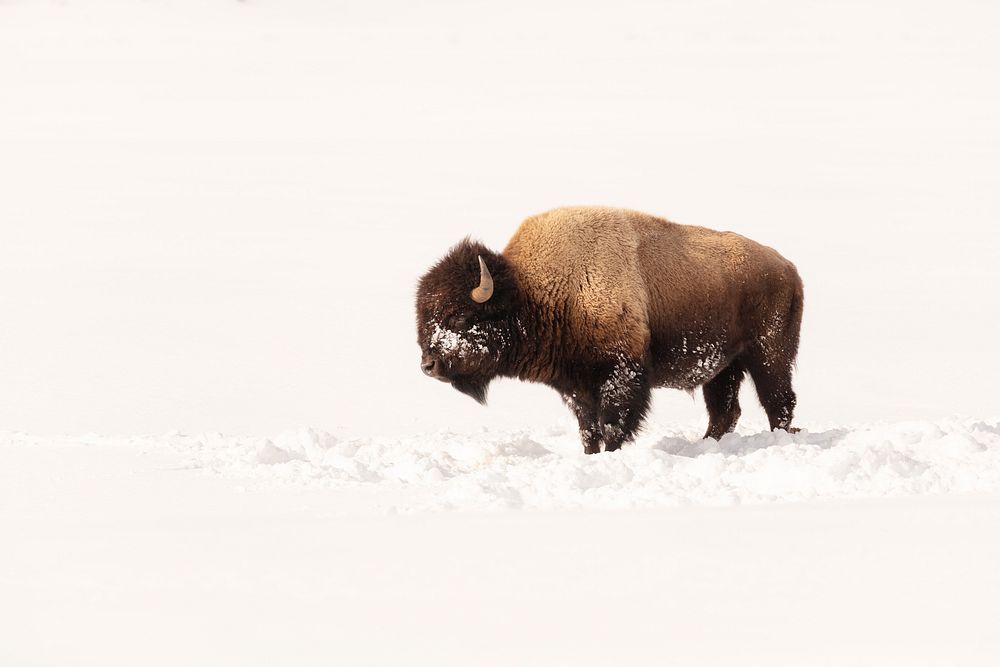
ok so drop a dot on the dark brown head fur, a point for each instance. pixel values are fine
(464, 342)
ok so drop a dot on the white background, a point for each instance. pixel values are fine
(214, 214)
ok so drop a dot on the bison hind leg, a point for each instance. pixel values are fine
(722, 399)
(771, 358)
(772, 377)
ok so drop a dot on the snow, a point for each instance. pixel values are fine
(546, 470)
(125, 551)
(446, 341)
(213, 218)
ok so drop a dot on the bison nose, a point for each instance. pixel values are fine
(428, 366)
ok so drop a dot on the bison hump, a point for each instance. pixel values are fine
(581, 267)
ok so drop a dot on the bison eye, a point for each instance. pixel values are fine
(459, 322)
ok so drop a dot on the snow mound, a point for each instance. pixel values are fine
(664, 467)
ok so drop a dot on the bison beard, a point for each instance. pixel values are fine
(475, 388)
(603, 305)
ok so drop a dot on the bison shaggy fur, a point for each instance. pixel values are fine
(603, 305)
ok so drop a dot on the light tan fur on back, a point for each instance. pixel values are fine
(619, 277)
(582, 265)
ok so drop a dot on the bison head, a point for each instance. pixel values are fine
(466, 312)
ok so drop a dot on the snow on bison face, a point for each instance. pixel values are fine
(459, 330)
(456, 352)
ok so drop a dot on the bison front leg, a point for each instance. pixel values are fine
(623, 402)
(584, 407)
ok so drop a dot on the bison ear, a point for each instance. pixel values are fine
(483, 293)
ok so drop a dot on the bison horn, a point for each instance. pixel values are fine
(483, 293)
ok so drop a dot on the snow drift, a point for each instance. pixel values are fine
(664, 467)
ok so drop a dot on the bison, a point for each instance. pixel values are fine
(604, 304)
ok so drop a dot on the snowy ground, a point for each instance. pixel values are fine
(206, 550)
(664, 468)
(213, 217)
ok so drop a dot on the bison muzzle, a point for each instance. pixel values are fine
(605, 304)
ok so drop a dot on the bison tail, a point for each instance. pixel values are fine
(793, 321)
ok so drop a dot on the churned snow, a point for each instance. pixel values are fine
(314, 549)
(214, 216)
(665, 467)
